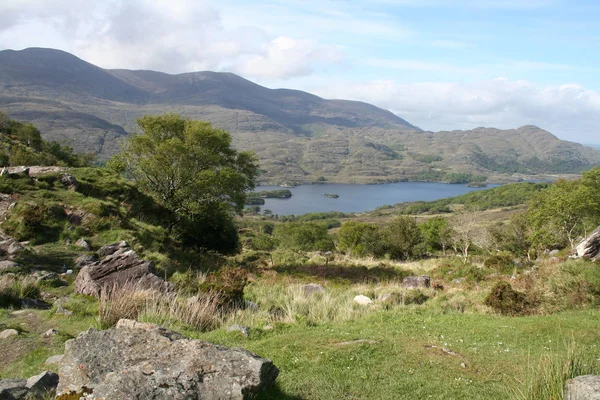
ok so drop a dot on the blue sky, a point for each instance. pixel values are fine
(439, 64)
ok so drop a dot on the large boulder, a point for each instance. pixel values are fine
(416, 282)
(586, 387)
(145, 361)
(590, 246)
(120, 266)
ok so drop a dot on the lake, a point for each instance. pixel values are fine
(358, 198)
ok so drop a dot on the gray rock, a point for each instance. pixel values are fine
(312, 288)
(69, 181)
(83, 244)
(250, 305)
(586, 387)
(239, 328)
(13, 389)
(553, 252)
(416, 282)
(362, 300)
(35, 304)
(144, 361)
(120, 266)
(49, 333)
(590, 246)
(5, 334)
(7, 264)
(54, 359)
(42, 383)
(84, 260)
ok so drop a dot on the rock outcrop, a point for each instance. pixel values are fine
(416, 282)
(35, 388)
(586, 387)
(120, 266)
(144, 361)
(590, 246)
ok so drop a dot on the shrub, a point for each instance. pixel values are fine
(401, 238)
(228, 285)
(507, 301)
(357, 238)
(307, 236)
(503, 263)
(37, 222)
(414, 297)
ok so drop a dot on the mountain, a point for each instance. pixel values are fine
(298, 136)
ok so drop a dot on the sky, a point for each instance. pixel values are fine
(439, 64)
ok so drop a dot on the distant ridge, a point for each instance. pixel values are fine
(298, 136)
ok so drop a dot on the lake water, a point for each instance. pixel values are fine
(358, 198)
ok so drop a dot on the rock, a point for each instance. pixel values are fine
(112, 248)
(49, 333)
(54, 359)
(83, 244)
(120, 265)
(590, 246)
(63, 311)
(84, 260)
(18, 171)
(586, 387)
(42, 383)
(553, 253)
(250, 305)
(363, 300)
(35, 304)
(312, 288)
(13, 389)
(46, 276)
(463, 365)
(384, 297)
(5, 334)
(239, 328)
(416, 282)
(145, 361)
(6, 265)
(69, 181)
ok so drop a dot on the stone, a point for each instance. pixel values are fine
(312, 288)
(84, 260)
(83, 244)
(239, 328)
(145, 361)
(5, 334)
(69, 181)
(63, 311)
(46, 276)
(585, 387)
(49, 333)
(120, 266)
(11, 389)
(416, 282)
(42, 383)
(35, 304)
(54, 359)
(590, 246)
(363, 300)
(250, 305)
(7, 264)
(553, 252)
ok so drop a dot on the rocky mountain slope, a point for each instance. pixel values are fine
(298, 136)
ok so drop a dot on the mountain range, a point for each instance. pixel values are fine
(299, 137)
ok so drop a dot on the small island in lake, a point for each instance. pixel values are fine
(331, 195)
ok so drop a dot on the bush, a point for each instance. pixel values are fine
(358, 238)
(40, 223)
(227, 284)
(507, 301)
(502, 263)
(414, 297)
(401, 238)
(307, 236)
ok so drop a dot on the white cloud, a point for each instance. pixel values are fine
(570, 111)
(166, 35)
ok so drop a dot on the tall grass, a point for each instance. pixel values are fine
(132, 302)
(547, 378)
(13, 289)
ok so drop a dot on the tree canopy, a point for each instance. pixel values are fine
(190, 168)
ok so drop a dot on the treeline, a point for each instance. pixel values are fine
(22, 144)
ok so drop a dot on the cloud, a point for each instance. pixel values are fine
(167, 35)
(570, 111)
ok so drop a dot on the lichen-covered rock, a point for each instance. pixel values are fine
(42, 383)
(586, 387)
(311, 288)
(69, 181)
(11, 389)
(83, 244)
(120, 265)
(144, 361)
(590, 246)
(416, 282)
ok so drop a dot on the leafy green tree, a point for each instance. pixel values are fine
(437, 234)
(401, 238)
(561, 212)
(191, 169)
(303, 236)
(358, 238)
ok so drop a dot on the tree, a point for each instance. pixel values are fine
(560, 212)
(357, 238)
(401, 238)
(437, 234)
(303, 236)
(191, 169)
